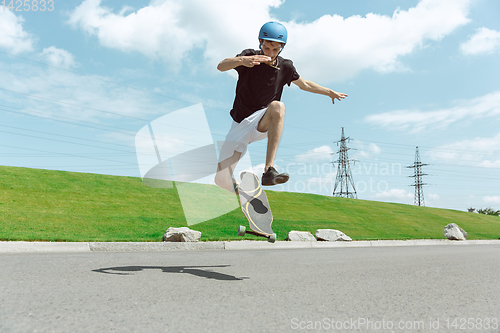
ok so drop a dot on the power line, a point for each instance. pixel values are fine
(65, 136)
(121, 129)
(65, 154)
(185, 101)
(291, 147)
(101, 79)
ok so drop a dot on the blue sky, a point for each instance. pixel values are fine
(79, 82)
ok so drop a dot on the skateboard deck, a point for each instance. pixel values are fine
(255, 206)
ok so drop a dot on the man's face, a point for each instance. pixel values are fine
(271, 49)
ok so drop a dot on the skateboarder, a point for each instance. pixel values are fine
(257, 110)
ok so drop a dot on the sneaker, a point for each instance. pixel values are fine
(272, 177)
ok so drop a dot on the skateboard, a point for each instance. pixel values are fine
(255, 206)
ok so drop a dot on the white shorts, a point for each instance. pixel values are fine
(241, 135)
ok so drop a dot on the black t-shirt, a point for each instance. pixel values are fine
(258, 86)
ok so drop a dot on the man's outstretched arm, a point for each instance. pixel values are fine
(315, 88)
(247, 61)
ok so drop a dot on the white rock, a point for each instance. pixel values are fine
(183, 234)
(332, 235)
(453, 232)
(301, 236)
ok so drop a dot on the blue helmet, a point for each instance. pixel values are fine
(273, 31)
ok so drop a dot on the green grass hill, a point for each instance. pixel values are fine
(46, 205)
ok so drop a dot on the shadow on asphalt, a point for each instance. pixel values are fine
(193, 270)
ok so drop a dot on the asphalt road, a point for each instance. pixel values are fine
(387, 289)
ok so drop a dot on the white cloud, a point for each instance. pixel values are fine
(481, 152)
(319, 154)
(394, 195)
(403, 196)
(492, 200)
(58, 57)
(327, 178)
(257, 170)
(375, 41)
(13, 38)
(431, 199)
(490, 164)
(322, 185)
(433, 196)
(365, 151)
(170, 29)
(416, 120)
(483, 41)
(374, 148)
(69, 90)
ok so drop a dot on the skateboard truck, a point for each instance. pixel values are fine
(243, 230)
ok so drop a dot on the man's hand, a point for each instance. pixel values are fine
(317, 89)
(336, 95)
(250, 61)
(247, 61)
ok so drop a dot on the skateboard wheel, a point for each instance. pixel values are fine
(272, 238)
(242, 230)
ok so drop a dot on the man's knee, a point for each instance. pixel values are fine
(277, 109)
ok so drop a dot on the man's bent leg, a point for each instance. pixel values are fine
(224, 176)
(272, 122)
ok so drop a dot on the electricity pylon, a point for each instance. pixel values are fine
(418, 200)
(344, 176)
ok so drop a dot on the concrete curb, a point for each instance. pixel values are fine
(61, 247)
(246, 245)
(154, 246)
(20, 247)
